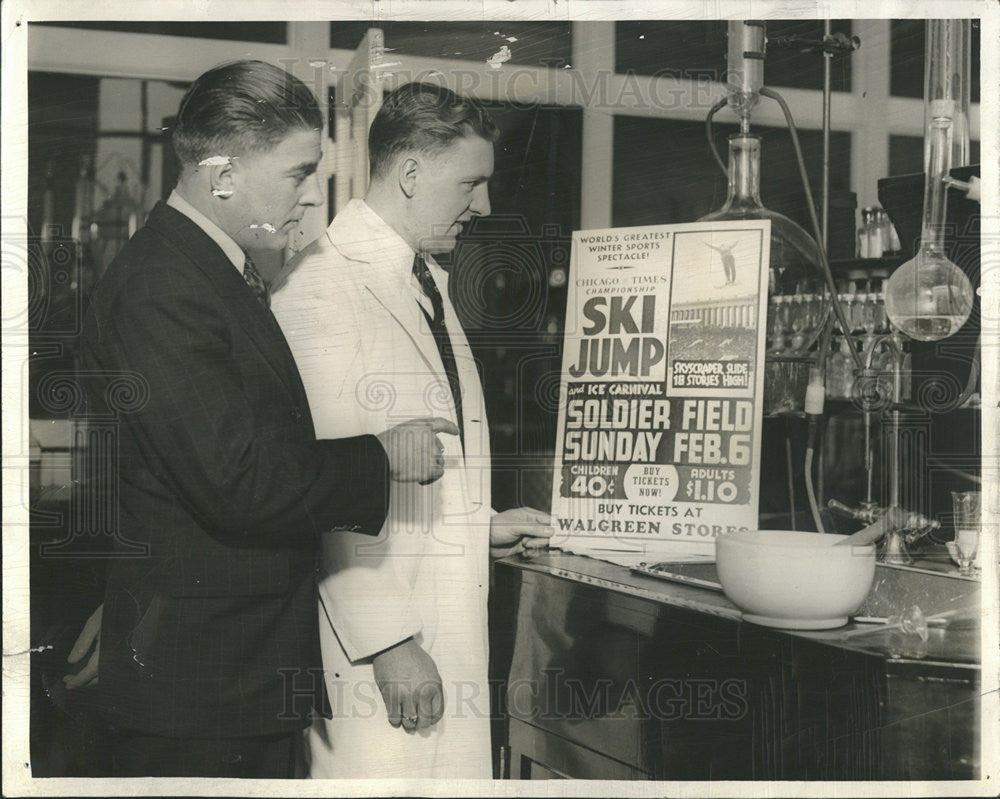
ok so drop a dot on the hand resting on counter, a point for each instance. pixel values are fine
(517, 530)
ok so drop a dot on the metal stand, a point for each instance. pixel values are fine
(907, 526)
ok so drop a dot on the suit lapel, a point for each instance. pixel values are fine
(258, 324)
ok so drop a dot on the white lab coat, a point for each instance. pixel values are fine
(368, 361)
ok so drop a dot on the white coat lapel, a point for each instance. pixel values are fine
(405, 310)
(360, 235)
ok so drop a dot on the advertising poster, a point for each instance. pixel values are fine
(662, 382)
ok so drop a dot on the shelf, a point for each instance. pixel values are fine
(852, 268)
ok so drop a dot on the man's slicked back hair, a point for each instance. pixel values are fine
(425, 118)
(239, 108)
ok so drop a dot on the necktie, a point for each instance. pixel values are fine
(256, 282)
(440, 333)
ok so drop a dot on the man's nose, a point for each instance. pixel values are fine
(312, 194)
(480, 205)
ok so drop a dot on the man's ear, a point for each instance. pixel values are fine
(221, 179)
(407, 173)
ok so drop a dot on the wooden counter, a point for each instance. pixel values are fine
(615, 675)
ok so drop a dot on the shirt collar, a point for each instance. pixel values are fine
(232, 250)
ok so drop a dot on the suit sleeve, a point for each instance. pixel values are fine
(251, 475)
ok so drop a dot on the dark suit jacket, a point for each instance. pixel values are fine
(213, 631)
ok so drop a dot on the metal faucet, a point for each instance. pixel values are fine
(906, 526)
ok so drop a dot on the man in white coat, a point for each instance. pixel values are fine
(367, 315)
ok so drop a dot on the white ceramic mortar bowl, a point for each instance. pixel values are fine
(794, 580)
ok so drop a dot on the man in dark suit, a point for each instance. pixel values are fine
(209, 659)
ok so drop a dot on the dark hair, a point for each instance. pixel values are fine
(426, 118)
(241, 107)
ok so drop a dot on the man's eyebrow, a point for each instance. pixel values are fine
(305, 168)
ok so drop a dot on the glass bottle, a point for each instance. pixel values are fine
(890, 242)
(858, 302)
(876, 247)
(846, 387)
(777, 325)
(861, 246)
(83, 225)
(835, 367)
(793, 271)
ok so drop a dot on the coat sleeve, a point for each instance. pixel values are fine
(367, 593)
(365, 584)
(251, 474)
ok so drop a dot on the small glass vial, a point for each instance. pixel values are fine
(862, 244)
(876, 245)
(847, 351)
(890, 241)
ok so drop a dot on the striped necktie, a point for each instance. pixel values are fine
(256, 282)
(441, 338)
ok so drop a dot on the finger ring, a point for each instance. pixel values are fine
(412, 719)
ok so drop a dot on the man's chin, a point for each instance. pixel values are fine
(266, 240)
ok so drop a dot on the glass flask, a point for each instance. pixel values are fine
(798, 300)
(929, 298)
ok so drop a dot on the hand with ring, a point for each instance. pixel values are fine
(410, 684)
